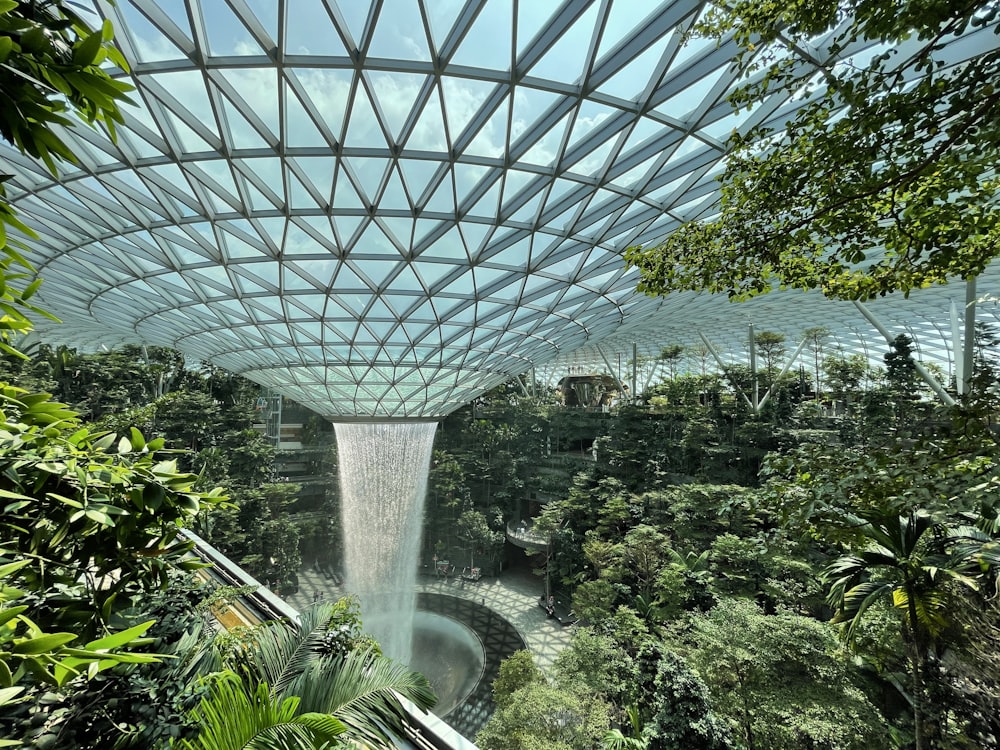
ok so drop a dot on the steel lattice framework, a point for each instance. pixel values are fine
(383, 210)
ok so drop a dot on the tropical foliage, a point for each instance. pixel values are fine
(883, 179)
(292, 686)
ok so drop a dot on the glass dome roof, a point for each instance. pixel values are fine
(383, 210)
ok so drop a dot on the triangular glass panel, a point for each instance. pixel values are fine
(429, 133)
(564, 61)
(227, 35)
(378, 272)
(526, 213)
(266, 13)
(724, 127)
(441, 17)
(188, 88)
(373, 241)
(364, 129)
(258, 88)
(347, 227)
(329, 91)
(300, 197)
(629, 179)
(474, 235)
(516, 255)
(300, 130)
(259, 201)
(491, 140)
(355, 17)
(531, 19)
(317, 169)
(151, 44)
(380, 311)
(589, 118)
(620, 23)
(400, 230)
(549, 147)
(347, 280)
(319, 271)
(309, 30)
(345, 197)
(270, 229)
(407, 280)
(396, 94)
(240, 134)
(424, 313)
(665, 195)
(399, 33)
(448, 246)
(487, 206)
(297, 242)
(514, 181)
(631, 80)
(488, 43)
(394, 197)
(462, 99)
(443, 200)
(369, 173)
(486, 277)
(593, 162)
(644, 130)
(562, 188)
(529, 105)
(431, 273)
(291, 281)
(417, 174)
(692, 97)
(425, 230)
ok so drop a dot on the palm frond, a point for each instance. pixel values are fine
(231, 718)
(856, 602)
(361, 691)
(283, 652)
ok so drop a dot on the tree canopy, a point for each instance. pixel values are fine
(882, 180)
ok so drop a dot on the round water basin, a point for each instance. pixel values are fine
(450, 655)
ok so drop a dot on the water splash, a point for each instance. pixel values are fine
(383, 481)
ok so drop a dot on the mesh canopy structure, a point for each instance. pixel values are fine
(383, 210)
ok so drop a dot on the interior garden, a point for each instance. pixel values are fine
(789, 544)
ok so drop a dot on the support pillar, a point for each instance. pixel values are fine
(969, 344)
(635, 372)
(618, 381)
(721, 364)
(924, 373)
(788, 364)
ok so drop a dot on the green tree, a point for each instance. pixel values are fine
(95, 515)
(844, 375)
(778, 681)
(542, 717)
(816, 337)
(474, 529)
(771, 346)
(516, 671)
(293, 686)
(671, 355)
(911, 562)
(890, 148)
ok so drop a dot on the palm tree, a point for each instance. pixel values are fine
(297, 687)
(910, 562)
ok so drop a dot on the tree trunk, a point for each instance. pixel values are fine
(916, 666)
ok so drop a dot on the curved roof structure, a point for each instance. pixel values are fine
(383, 210)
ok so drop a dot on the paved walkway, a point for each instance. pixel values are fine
(514, 594)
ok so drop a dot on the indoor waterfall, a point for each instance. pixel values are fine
(383, 480)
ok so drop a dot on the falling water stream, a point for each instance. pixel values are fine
(383, 480)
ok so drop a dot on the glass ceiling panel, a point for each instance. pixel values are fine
(289, 220)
